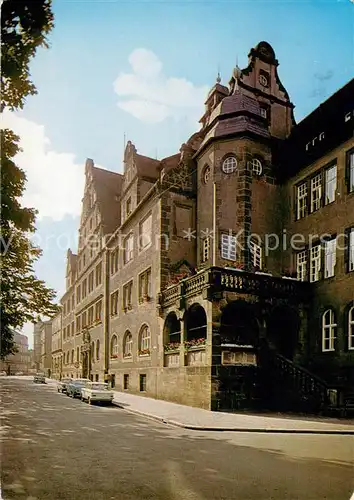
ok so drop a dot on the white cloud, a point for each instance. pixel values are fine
(153, 97)
(55, 181)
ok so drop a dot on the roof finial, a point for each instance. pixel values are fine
(218, 78)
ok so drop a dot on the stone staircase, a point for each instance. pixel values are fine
(287, 386)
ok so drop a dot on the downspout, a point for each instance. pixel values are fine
(214, 224)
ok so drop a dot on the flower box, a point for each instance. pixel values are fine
(189, 344)
(114, 356)
(144, 352)
(172, 346)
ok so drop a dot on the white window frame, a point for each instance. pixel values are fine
(330, 184)
(256, 254)
(114, 303)
(144, 290)
(145, 233)
(144, 338)
(329, 330)
(256, 166)
(301, 265)
(351, 171)
(229, 165)
(128, 345)
(315, 263)
(128, 248)
(114, 345)
(330, 247)
(228, 246)
(205, 249)
(206, 174)
(301, 202)
(351, 250)
(316, 192)
(351, 328)
(114, 261)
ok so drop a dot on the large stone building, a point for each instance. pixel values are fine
(223, 276)
(20, 361)
(57, 352)
(45, 332)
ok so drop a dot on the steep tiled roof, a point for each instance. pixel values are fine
(239, 102)
(108, 187)
(236, 114)
(147, 167)
(170, 162)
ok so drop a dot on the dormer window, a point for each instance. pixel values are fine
(229, 165)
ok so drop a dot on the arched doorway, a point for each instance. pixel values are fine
(172, 329)
(283, 330)
(195, 323)
(238, 324)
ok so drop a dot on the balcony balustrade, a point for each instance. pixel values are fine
(218, 279)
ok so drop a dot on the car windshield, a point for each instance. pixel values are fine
(66, 380)
(79, 383)
(100, 387)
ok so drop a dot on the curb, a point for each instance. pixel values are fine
(263, 430)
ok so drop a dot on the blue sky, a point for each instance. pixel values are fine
(142, 68)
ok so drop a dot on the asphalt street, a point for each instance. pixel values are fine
(54, 447)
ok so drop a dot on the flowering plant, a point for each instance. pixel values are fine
(114, 356)
(194, 343)
(171, 346)
(143, 352)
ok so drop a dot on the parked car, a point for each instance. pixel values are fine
(39, 378)
(19, 373)
(73, 389)
(94, 392)
(2, 374)
(63, 384)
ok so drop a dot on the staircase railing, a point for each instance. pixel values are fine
(293, 385)
(307, 385)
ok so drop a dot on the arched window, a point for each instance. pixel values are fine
(351, 328)
(329, 330)
(114, 346)
(127, 345)
(144, 340)
(255, 166)
(72, 356)
(68, 357)
(78, 354)
(97, 349)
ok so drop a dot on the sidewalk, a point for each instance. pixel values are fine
(203, 420)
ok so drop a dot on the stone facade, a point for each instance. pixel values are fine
(57, 352)
(178, 290)
(46, 348)
(20, 361)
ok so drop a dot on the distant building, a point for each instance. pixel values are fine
(37, 345)
(179, 289)
(57, 353)
(42, 337)
(18, 362)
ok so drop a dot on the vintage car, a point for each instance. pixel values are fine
(39, 378)
(73, 389)
(63, 384)
(95, 392)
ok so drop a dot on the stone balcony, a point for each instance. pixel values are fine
(212, 281)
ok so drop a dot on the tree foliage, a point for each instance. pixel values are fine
(24, 27)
